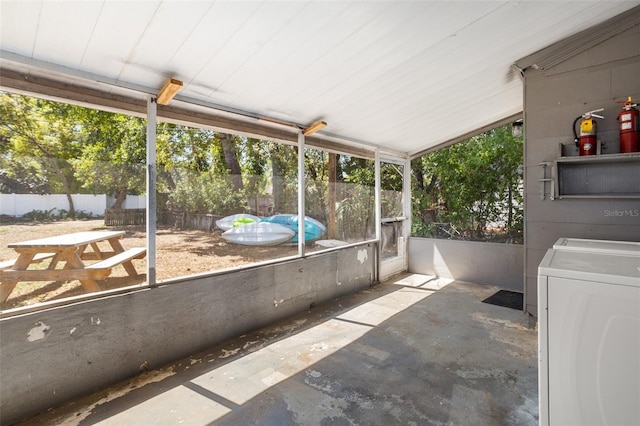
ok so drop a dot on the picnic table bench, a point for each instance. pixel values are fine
(70, 250)
(7, 264)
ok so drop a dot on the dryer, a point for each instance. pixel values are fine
(630, 248)
(589, 335)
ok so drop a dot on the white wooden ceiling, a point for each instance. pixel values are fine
(403, 75)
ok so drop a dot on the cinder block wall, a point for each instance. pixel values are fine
(481, 263)
(54, 355)
(596, 78)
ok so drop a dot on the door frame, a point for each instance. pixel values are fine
(388, 266)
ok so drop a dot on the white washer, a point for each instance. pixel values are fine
(630, 248)
(589, 338)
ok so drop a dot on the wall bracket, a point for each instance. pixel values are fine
(546, 177)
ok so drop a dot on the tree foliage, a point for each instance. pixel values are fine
(40, 137)
(113, 154)
(471, 188)
(54, 147)
(60, 148)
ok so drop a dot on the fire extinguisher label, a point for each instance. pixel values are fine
(625, 117)
(586, 126)
(625, 126)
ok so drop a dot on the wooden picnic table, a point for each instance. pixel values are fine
(69, 251)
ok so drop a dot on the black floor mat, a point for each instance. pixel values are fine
(506, 298)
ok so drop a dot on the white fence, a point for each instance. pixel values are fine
(18, 205)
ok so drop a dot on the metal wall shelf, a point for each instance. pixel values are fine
(598, 176)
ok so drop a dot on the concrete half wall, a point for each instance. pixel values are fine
(501, 265)
(54, 355)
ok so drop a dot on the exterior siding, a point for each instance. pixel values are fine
(596, 78)
(51, 356)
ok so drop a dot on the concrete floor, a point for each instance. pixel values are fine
(413, 350)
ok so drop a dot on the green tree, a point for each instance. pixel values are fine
(202, 170)
(181, 147)
(356, 201)
(229, 145)
(471, 185)
(41, 137)
(62, 148)
(391, 177)
(316, 164)
(113, 155)
(284, 168)
(255, 165)
(22, 175)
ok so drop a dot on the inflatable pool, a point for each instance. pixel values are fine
(313, 229)
(234, 220)
(259, 234)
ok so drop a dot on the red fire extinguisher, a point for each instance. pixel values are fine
(629, 119)
(587, 141)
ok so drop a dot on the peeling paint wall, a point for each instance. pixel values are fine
(501, 265)
(57, 354)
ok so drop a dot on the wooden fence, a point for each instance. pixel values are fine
(182, 220)
(179, 220)
(121, 217)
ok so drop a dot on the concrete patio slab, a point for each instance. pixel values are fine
(412, 350)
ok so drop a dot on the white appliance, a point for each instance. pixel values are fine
(630, 248)
(589, 335)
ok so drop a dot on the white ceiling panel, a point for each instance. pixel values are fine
(208, 38)
(19, 26)
(115, 37)
(161, 41)
(403, 75)
(251, 38)
(63, 17)
(311, 37)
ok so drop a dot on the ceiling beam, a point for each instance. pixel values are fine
(102, 97)
(30, 84)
